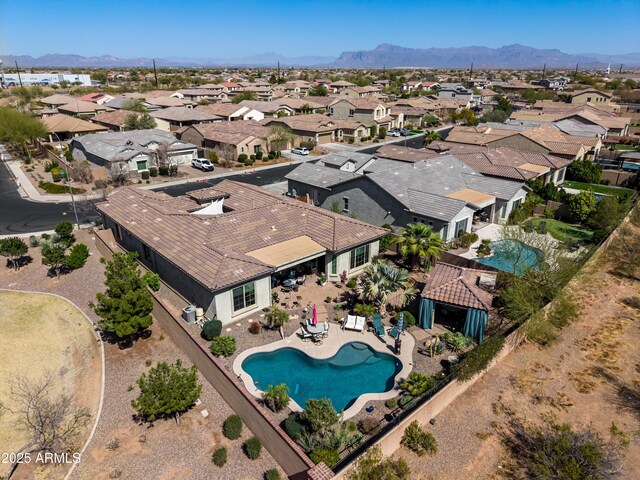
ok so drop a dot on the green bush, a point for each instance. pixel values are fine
(59, 188)
(293, 426)
(33, 241)
(77, 256)
(272, 474)
(65, 231)
(562, 311)
(153, 171)
(391, 404)
(152, 279)
(405, 401)
(329, 457)
(242, 158)
(408, 318)
(252, 448)
(254, 328)
(477, 359)
(50, 165)
(213, 156)
(308, 145)
(163, 170)
(417, 383)
(219, 457)
(145, 174)
(211, 329)
(465, 239)
(351, 140)
(249, 161)
(352, 282)
(259, 155)
(418, 440)
(232, 427)
(272, 155)
(223, 346)
(456, 342)
(46, 236)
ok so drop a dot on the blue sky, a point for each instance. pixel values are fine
(227, 29)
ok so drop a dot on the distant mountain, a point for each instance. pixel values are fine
(510, 56)
(78, 61)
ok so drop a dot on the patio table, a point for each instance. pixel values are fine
(289, 282)
(315, 329)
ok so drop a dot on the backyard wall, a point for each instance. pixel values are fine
(620, 179)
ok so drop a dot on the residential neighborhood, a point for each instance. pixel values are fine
(363, 255)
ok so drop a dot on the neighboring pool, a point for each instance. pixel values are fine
(508, 253)
(354, 370)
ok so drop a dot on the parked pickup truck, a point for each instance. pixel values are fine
(203, 164)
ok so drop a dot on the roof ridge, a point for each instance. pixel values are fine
(471, 290)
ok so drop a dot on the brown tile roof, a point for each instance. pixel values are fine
(183, 114)
(587, 90)
(57, 99)
(169, 102)
(403, 154)
(457, 286)
(213, 249)
(244, 127)
(115, 118)
(361, 103)
(80, 106)
(66, 123)
(222, 109)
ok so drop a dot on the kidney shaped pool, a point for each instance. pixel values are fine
(354, 370)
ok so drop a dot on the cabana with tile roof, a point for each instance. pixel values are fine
(457, 287)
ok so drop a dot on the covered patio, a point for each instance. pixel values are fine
(461, 295)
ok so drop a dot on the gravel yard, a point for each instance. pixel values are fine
(164, 450)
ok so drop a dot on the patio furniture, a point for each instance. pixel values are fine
(304, 334)
(316, 329)
(349, 323)
(286, 288)
(360, 324)
(301, 280)
(397, 330)
(378, 328)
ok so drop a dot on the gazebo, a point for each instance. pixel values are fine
(459, 287)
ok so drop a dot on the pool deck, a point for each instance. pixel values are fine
(330, 346)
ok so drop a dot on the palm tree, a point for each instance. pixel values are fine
(364, 309)
(277, 397)
(419, 244)
(382, 278)
(277, 318)
(431, 136)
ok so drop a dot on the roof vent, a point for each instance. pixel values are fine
(273, 228)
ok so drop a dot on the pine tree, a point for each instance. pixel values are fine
(125, 308)
(167, 390)
(13, 248)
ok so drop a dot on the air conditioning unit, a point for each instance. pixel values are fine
(189, 314)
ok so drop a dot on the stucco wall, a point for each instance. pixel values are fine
(222, 305)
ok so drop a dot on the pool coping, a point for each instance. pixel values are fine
(327, 350)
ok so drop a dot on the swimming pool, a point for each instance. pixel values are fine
(507, 254)
(354, 370)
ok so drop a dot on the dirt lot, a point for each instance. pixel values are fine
(589, 376)
(164, 450)
(43, 334)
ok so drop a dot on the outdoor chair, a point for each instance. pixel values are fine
(304, 335)
(349, 323)
(378, 328)
(360, 324)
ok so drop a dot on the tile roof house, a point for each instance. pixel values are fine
(173, 118)
(82, 108)
(57, 99)
(221, 247)
(231, 112)
(443, 192)
(66, 127)
(133, 151)
(320, 129)
(366, 110)
(115, 120)
(98, 98)
(228, 139)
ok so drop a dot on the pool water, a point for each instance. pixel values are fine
(354, 370)
(507, 254)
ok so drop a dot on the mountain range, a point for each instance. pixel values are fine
(385, 55)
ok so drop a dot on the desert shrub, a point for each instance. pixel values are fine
(153, 171)
(477, 359)
(254, 328)
(77, 256)
(391, 403)
(249, 161)
(562, 312)
(252, 448)
(145, 174)
(328, 456)
(152, 280)
(50, 165)
(163, 170)
(537, 329)
(367, 425)
(46, 236)
(350, 426)
(373, 465)
(219, 457)
(211, 329)
(64, 230)
(352, 283)
(232, 427)
(417, 383)
(293, 426)
(100, 184)
(259, 155)
(308, 145)
(418, 440)
(223, 346)
(405, 401)
(242, 158)
(272, 155)
(456, 342)
(465, 239)
(213, 156)
(33, 241)
(556, 451)
(272, 474)
(408, 318)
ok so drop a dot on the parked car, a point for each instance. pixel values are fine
(393, 133)
(300, 151)
(404, 132)
(203, 164)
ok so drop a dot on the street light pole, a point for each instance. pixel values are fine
(66, 171)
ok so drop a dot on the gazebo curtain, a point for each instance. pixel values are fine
(475, 324)
(425, 315)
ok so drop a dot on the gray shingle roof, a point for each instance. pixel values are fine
(319, 176)
(338, 159)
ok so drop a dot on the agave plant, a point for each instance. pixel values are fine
(417, 383)
(456, 342)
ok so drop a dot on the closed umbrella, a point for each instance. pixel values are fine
(314, 319)
(401, 322)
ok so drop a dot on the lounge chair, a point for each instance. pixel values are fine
(360, 324)
(304, 335)
(395, 332)
(378, 328)
(349, 323)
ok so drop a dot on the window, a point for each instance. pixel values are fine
(147, 252)
(461, 226)
(119, 231)
(445, 231)
(516, 203)
(588, 99)
(561, 173)
(142, 164)
(334, 266)
(244, 296)
(331, 111)
(256, 148)
(352, 112)
(503, 211)
(345, 204)
(359, 256)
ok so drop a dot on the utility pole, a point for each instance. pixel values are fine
(19, 77)
(471, 71)
(278, 72)
(620, 71)
(544, 69)
(155, 72)
(576, 72)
